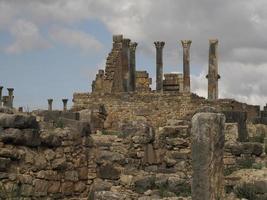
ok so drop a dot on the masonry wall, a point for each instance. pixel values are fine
(155, 107)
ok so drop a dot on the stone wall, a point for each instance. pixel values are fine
(155, 107)
(43, 162)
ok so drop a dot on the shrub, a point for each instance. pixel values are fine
(246, 191)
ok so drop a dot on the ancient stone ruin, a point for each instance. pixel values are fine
(127, 141)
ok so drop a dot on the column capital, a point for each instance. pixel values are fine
(65, 100)
(159, 44)
(213, 41)
(10, 89)
(186, 43)
(50, 100)
(1, 87)
(133, 46)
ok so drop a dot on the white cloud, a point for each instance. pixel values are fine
(75, 38)
(27, 37)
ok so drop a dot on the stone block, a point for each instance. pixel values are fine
(17, 121)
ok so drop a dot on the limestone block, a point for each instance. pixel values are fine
(17, 121)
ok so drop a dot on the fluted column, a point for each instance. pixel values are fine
(11, 97)
(213, 75)
(50, 102)
(159, 63)
(65, 101)
(1, 98)
(186, 65)
(132, 78)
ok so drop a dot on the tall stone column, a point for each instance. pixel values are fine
(213, 75)
(11, 97)
(125, 64)
(1, 97)
(186, 65)
(65, 101)
(159, 62)
(132, 78)
(50, 102)
(207, 155)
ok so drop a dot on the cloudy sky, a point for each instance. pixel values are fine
(52, 48)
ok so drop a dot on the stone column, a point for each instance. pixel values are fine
(50, 102)
(186, 65)
(132, 78)
(265, 145)
(65, 101)
(159, 61)
(11, 97)
(213, 75)
(1, 99)
(125, 64)
(207, 155)
(20, 109)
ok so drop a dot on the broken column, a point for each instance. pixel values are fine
(186, 65)
(213, 75)
(11, 97)
(65, 101)
(1, 89)
(125, 64)
(207, 155)
(5, 100)
(159, 62)
(50, 102)
(132, 77)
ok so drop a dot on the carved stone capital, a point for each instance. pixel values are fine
(126, 42)
(50, 101)
(64, 101)
(117, 38)
(159, 44)
(186, 43)
(213, 41)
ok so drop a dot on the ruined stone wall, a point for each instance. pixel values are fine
(155, 107)
(43, 162)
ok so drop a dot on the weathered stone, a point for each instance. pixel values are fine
(104, 156)
(67, 188)
(40, 162)
(150, 155)
(9, 153)
(83, 173)
(59, 164)
(6, 110)
(79, 187)
(207, 155)
(104, 195)
(50, 139)
(4, 164)
(25, 137)
(40, 187)
(53, 187)
(71, 176)
(100, 185)
(144, 183)
(26, 190)
(108, 171)
(17, 121)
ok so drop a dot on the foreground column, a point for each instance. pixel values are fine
(11, 97)
(125, 64)
(213, 75)
(159, 62)
(186, 64)
(207, 155)
(50, 102)
(65, 101)
(132, 83)
(1, 98)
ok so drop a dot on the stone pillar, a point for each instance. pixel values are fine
(213, 75)
(132, 78)
(186, 65)
(11, 97)
(159, 61)
(125, 64)
(50, 102)
(6, 102)
(1, 98)
(207, 155)
(65, 101)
